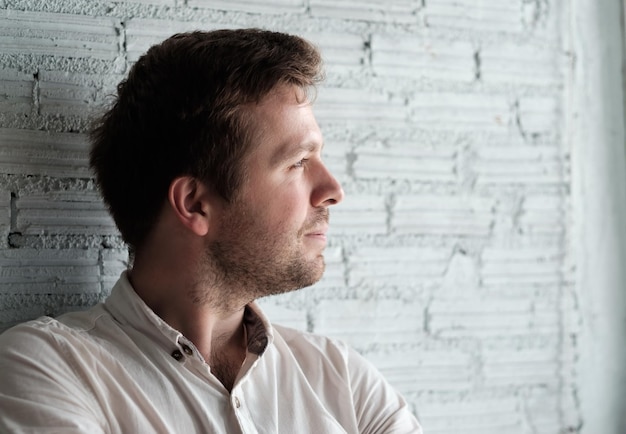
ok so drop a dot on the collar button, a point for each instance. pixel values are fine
(177, 355)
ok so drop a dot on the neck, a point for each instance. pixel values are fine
(206, 315)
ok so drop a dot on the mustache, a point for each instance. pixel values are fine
(321, 216)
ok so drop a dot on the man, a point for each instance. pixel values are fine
(210, 163)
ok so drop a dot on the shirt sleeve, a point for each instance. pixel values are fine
(378, 407)
(39, 390)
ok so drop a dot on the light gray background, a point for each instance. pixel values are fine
(477, 258)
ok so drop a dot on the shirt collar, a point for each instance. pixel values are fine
(129, 309)
(258, 328)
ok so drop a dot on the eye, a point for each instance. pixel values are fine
(300, 163)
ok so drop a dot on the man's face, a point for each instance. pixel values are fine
(272, 236)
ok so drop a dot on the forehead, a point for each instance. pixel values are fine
(283, 121)
(282, 101)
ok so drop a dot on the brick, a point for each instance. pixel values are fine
(399, 11)
(358, 105)
(472, 415)
(511, 366)
(266, 7)
(426, 371)
(142, 33)
(17, 308)
(58, 34)
(480, 319)
(10, 317)
(520, 64)
(399, 56)
(30, 152)
(63, 212)
(49, 271)
(496, 317)
(5, 212)
(571, 318)
(16, 91)
(342, 52)
(396, 266)
(543, 410)
(362, 323)
(519, 164)
(156, 2)
(360, 214)
(443, 215)
(538, 115)
(475, 15)
(460, 111)
(66, 99)
(461, 274)
(70, 93)
(523, 267)
(542, 214)
(407, 160)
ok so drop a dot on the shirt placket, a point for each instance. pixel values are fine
(240, 408)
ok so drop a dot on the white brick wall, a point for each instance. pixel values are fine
(443, 121)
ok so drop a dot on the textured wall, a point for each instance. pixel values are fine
(448, 264)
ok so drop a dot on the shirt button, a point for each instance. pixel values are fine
(237, 403)
(177, 355)
(187, 350)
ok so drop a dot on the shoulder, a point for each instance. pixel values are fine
(42, 382)
(299, 340)
(343, 377)
(46, 339)
(321, 352)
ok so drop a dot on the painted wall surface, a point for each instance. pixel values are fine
(596, 128)
(452, 263)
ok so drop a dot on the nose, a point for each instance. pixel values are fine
(327, 190)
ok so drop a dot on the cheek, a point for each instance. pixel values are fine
(286, 213)
(279, 203)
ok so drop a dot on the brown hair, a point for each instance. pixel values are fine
(181, 111)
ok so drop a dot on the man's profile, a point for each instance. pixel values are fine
(209, 161)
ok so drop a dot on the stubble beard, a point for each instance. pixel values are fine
(250, 264)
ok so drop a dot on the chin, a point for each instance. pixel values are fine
(314, 275)
(318, 272)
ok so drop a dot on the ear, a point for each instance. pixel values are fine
(189, 200)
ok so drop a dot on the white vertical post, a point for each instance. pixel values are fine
(596, 130)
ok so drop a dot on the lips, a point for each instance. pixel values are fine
(317, 231)
(317, 225)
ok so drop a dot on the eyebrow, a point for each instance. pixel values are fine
(290, 150)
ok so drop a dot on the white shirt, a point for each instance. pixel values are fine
(119, 368)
